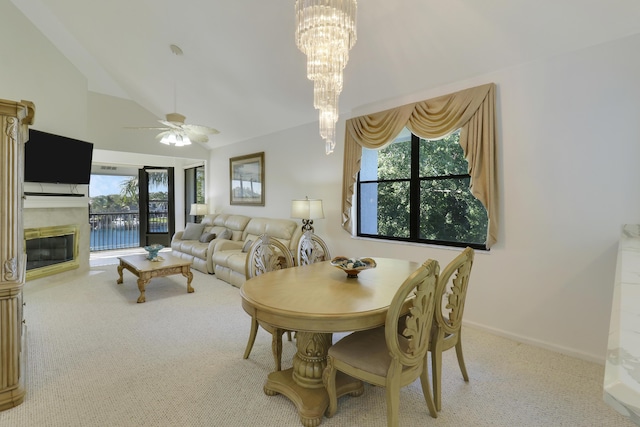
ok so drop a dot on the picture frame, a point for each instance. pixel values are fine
(246, 180)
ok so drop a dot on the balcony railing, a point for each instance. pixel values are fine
(121, 230)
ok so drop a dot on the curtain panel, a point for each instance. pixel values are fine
(470, 110)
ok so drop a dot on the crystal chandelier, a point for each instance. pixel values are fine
(325, 32)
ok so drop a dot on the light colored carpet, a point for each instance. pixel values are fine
(96, 358)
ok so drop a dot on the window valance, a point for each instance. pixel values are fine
(470, 110)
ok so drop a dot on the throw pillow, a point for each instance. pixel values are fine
(192, 231)
(226, 234)
(207, 237)
(247, 245)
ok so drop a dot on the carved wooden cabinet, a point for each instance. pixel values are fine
(15, 118)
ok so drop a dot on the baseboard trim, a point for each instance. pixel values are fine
(567, 351)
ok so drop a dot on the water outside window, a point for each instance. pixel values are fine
(113, 212)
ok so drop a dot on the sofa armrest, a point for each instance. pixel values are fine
(226, 245)
(177, 236)
(212, 247)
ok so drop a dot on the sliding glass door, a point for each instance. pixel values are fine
(194, 190)
(157, 205)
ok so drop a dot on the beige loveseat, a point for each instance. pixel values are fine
(229, 257)
(199, 247)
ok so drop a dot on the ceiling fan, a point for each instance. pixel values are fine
(176, 131)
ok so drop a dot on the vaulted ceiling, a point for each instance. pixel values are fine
(242, 73)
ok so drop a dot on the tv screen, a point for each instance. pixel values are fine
(50, 158)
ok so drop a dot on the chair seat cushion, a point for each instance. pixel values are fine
(365, 349)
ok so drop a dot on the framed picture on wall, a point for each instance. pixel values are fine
(246, 179)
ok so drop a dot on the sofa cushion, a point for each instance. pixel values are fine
(181, 246)
(198, 250)
(226, 234)
(221, 257)
(207, 237)
(192, 231)
(237, 224)
(237, 261)
(284, 230)
(247, 245)
(217, 229)
(207, 220)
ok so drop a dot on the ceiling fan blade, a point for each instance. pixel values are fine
(161, 134)
(196, 137)
(145, 128)
(201, 129)
(171, 125)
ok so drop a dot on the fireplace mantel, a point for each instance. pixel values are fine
(43, 202)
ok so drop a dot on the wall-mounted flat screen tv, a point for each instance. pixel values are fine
(50, 158)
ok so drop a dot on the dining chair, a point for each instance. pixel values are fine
(311, 249)
(446, 332)
(386, 357)
(267, 254)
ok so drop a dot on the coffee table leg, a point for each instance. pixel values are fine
(141, 284)
(120, 279)
(186, 272)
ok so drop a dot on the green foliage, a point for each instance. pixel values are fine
(128, 199)
(447, 212)
(200, 185)
(129, 190)
(393, 209)
(111, 203)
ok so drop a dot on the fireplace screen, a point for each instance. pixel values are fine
(51, 250)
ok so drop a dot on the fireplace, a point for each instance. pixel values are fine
(51, 250)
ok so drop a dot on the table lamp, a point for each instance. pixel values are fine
(198, 210)
(307, 210)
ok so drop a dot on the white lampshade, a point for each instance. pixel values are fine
(307, 209)
(198, 209)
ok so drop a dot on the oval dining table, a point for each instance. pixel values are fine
(317, 300)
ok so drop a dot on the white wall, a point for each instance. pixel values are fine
(569, 143)
(33, 69)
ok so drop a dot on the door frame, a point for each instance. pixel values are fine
(147, 237)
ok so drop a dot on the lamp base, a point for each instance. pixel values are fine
(307, 225)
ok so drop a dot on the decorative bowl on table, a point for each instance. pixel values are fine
(153, 251)
(353, 266)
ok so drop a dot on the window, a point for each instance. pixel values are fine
(194, 188)
(417, 190)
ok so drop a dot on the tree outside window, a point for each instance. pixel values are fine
(418, 190)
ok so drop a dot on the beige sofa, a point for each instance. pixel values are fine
(229, 257)
(198, 249)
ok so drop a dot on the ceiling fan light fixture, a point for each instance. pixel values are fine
(182, 140)
(176, 139)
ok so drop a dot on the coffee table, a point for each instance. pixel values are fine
(145, 269)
